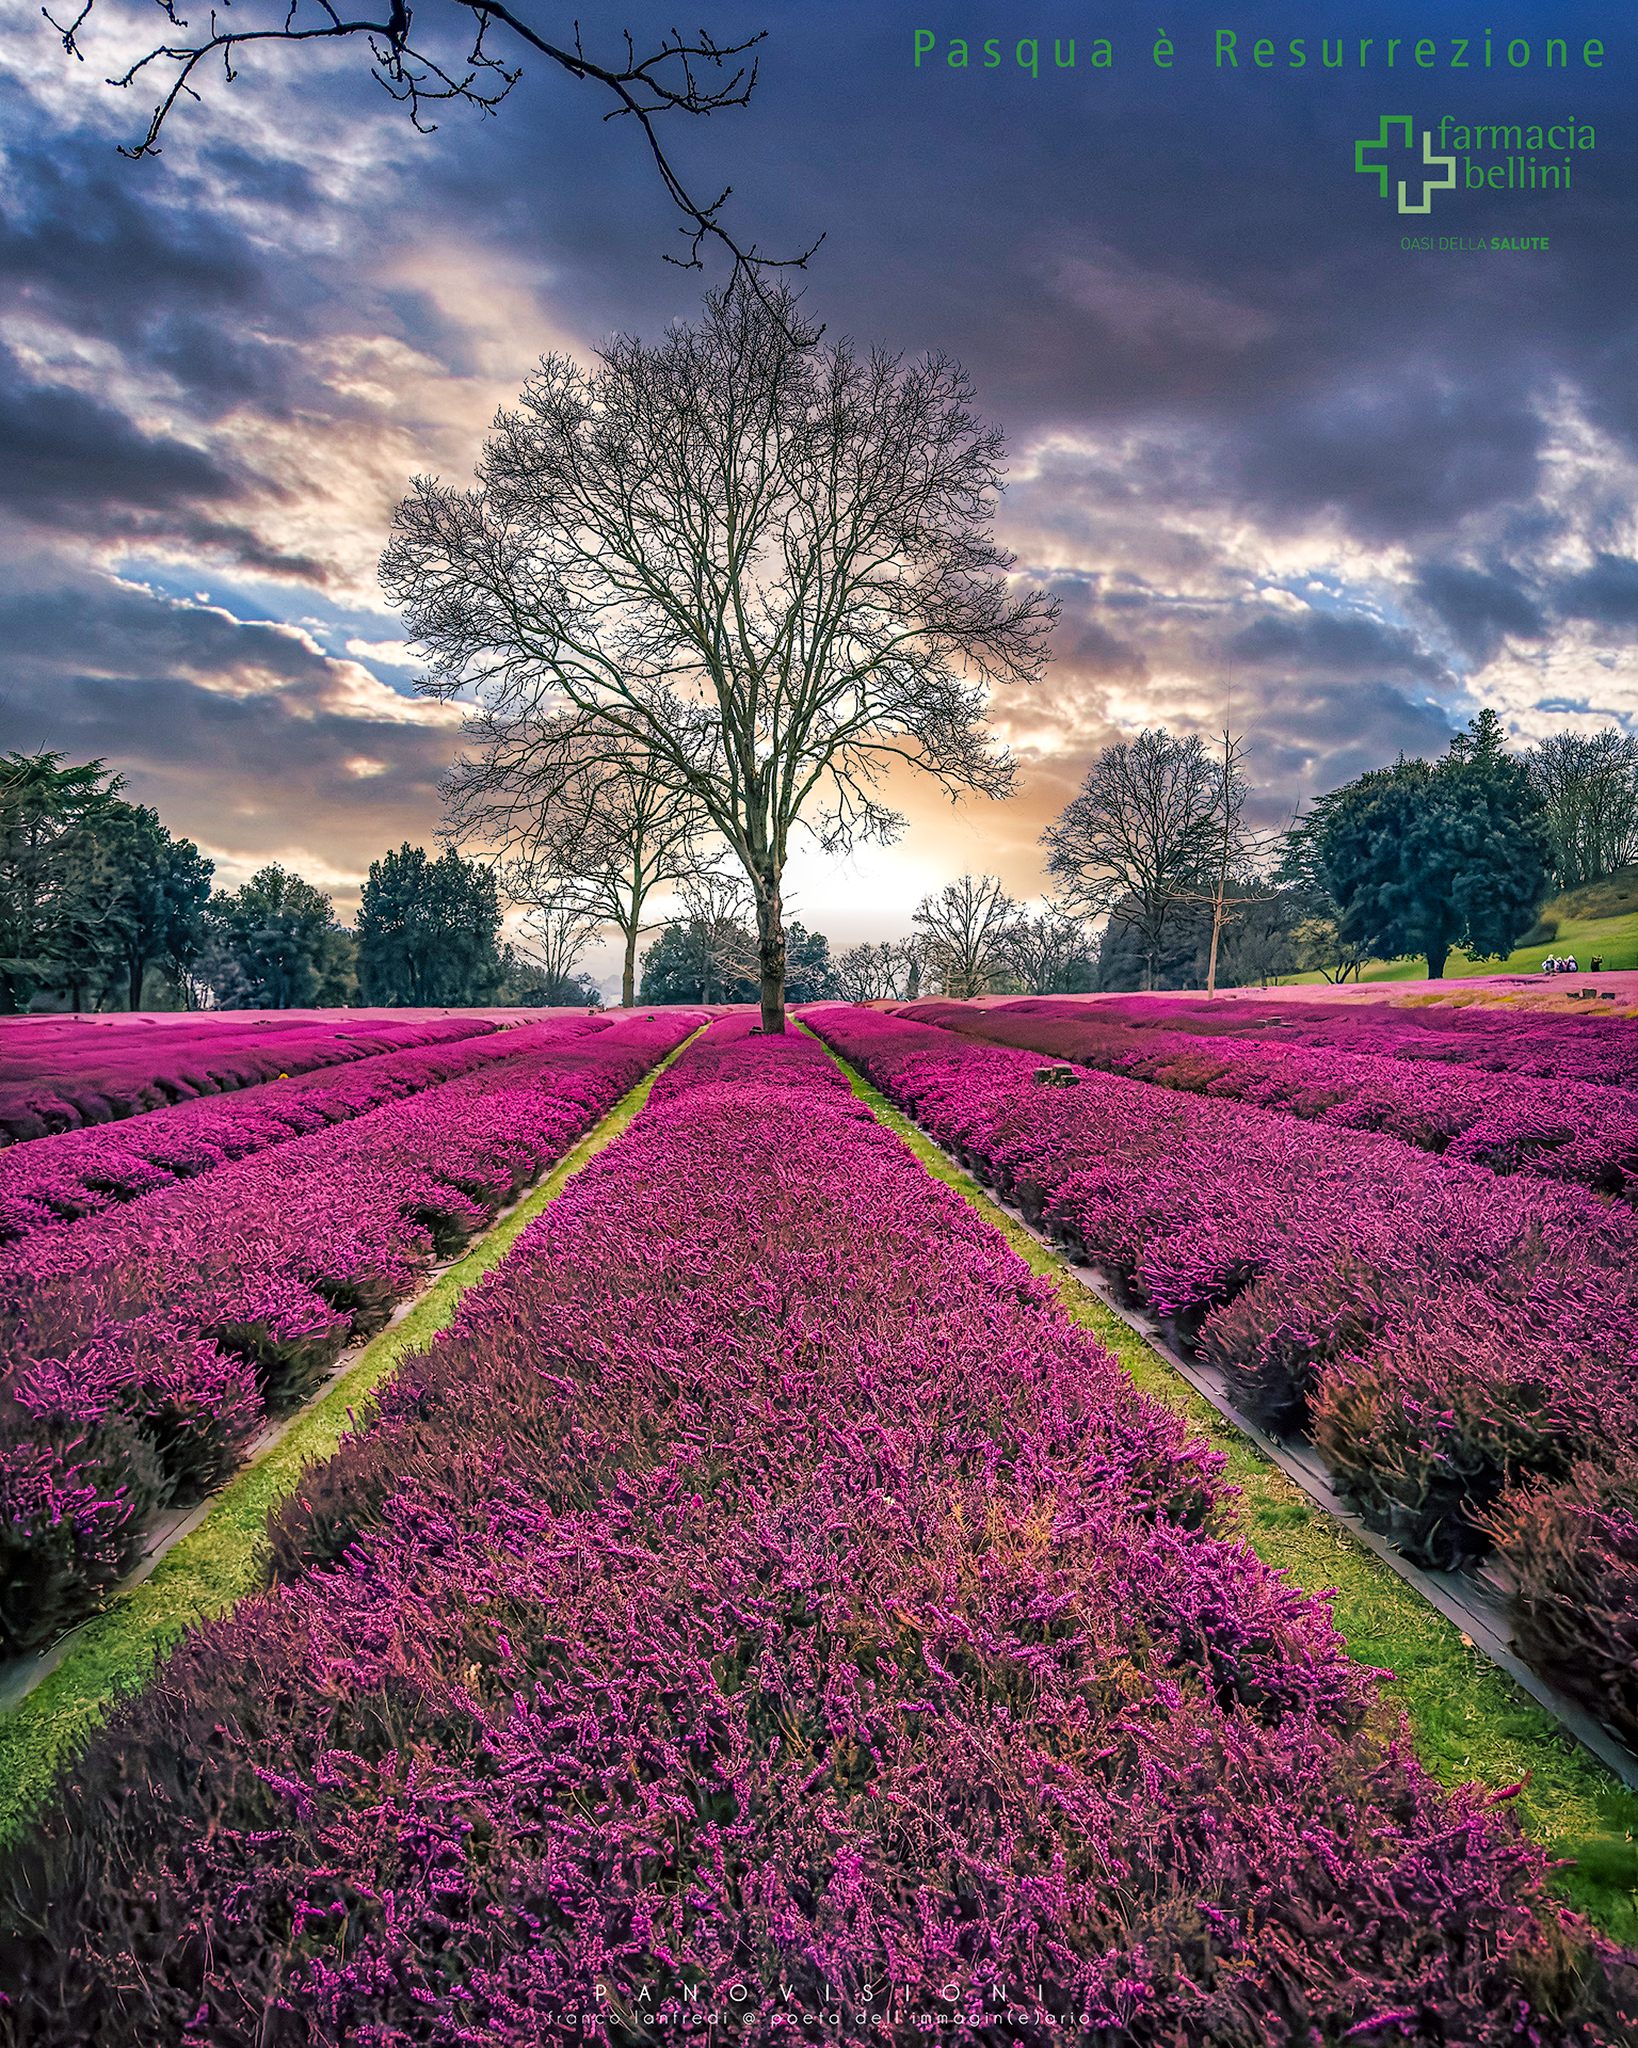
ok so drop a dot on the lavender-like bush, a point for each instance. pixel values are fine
(194, 1310)
(56, 1074)
(766, 1604)
(58, 1180)
(1571, 1551)
(1560, 1129)
(1596, 1046)
(1456, 1336)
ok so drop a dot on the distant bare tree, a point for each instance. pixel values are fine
(560, 924)
(1231, 886)
(967, 927)
(1141, 832)
(674, 77)
(1589, 782)
(577, 818)
(1260, 939)
(765, 564)
(874, 973)
(1043, 951)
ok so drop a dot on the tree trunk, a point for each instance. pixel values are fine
(770, 947)
(1216, 927)
(1437, 956)
(628, 974)
(139, 968)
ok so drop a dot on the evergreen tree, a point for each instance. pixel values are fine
(427, 931)
(274, 945)
(56, 884)
(810, 976)
(162, 886)
(1423, 857)
(684, 966)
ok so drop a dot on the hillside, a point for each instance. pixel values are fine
(1599, 917)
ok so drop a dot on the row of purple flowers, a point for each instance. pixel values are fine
(57, 1078)
(1462, 1348)
(1562, 1130)
(141, 1351)
(1598, 1045)
(59, 1180)
(763, 1602)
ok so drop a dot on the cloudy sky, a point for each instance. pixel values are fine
(1271, 460)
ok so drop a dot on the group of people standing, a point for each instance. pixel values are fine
(1554, 965)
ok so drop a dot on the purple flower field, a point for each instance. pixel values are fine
(1369, 1075)
(59, 1073)
(51, 1182)
(1463, 1348)
(142, 1349)
(763, 1604)
(1599, 1046)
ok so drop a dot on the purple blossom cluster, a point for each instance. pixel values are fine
(1563, 1130)
(763, 1609)
(1598, 1046)
(57, 1074)
(1456, 1343)
(141, 1351)
(58, 1180)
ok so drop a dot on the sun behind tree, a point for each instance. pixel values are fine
(764, 562)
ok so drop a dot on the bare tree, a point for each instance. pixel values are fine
(1320, 948)
(875, 973)
(560, 923)
(1043, 951)
(1260, 941)
(1141, 832)
(1589, 782)
(675, 77)
(577, 817)
(967, 927)
(1236, 852)
(764, 563)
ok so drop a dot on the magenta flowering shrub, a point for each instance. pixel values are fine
(1273, 1245)
(1450, 1336)
(1438, 1423)
(197, 1405)
(1561, 1129)
(57, 1074)
(767, 1603)
(194, 1311)
(57, 1180)
(1571, 1552)
(73, 1498)
(1595, 1046)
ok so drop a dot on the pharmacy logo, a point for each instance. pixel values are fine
(1383, 171)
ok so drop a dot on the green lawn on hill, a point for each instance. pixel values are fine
(1601, 917)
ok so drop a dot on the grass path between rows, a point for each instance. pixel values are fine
(1468, 1720)
(221, 1561)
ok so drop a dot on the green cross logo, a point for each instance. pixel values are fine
(1381, 172)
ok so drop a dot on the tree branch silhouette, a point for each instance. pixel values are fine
(672, 79)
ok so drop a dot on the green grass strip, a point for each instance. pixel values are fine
(221, 1561)
(1468, 1720)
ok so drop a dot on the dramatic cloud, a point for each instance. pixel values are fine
(1275, 466)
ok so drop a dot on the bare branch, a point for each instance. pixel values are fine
(673, 78)
(577, 815)
(1140, 832)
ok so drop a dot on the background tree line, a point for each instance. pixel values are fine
(101, 907)
(1419, 858)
